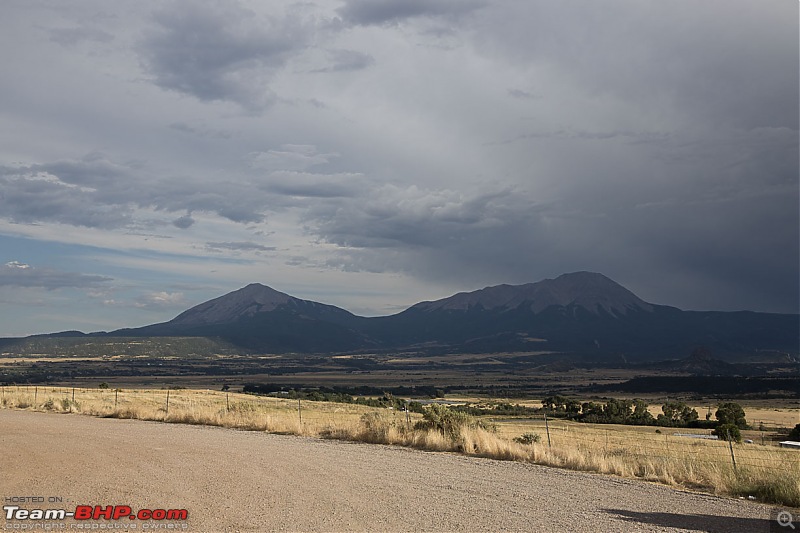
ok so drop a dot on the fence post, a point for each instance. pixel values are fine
(547, 429)
(116, 393)
(167, 414)
(227, 403)
(730, 445)
(299, 412)
(35, 395)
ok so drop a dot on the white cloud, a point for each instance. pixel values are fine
(162, 300)
(17, 274)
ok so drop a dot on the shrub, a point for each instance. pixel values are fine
(795, 433)
(528, 438)
(449, 422)
(728, 432)
(376, 427)
(103, 385)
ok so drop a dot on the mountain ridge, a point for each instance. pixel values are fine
(579, 313)
(589, 290)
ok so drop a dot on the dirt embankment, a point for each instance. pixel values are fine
(232, 480)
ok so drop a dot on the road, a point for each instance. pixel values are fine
(231, 480)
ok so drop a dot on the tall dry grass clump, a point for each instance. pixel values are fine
(770, 474)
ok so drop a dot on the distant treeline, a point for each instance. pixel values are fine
(729, 417)
(361, 390)
(362, 395)
(716, 385)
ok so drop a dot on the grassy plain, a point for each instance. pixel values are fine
(766, 472)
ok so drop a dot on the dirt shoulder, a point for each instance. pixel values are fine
(232, 480)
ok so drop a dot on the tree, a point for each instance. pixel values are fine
(677, 414)
(728, 432)
(573, 407)
(640, 413)
(554, 403)
(795, 433)
(731, 413)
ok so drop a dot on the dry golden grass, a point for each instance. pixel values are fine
(769, 473)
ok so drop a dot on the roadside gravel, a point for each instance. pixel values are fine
(233, 480)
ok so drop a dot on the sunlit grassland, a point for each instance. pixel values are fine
(768, 473)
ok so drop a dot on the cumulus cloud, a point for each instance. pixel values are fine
(161, 300)
(17, 274)
(96, 192)
(221, 50)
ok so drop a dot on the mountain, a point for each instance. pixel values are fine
(583, 314)
(590, 291)
(260, 318)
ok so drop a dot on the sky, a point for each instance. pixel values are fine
(372, 154)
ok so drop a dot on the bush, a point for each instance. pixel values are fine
(448, 422)
(528, 438)
(795, 433)
(728, 432)
(376, 427)
(103, 385)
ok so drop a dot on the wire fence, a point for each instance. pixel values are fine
(631, 443)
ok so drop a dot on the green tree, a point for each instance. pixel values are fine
(677, 414)
(731, 413)
(728, 432)
(554, 403)
(640, 413)
(573, 407)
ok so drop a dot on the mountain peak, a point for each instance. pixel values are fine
(590, 290)
(247, 301)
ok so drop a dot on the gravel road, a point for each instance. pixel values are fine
(233, 480)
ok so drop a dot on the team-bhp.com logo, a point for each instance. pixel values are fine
(94, 512)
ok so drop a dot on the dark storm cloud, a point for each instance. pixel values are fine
(367, 12)
(16, 274)
(709, 61)
(221, 51)
(437, 235)
(717, 218)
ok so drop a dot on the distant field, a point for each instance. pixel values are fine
(767, 472)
